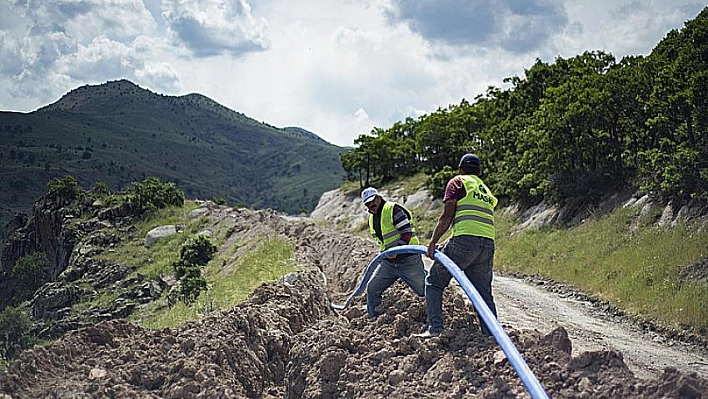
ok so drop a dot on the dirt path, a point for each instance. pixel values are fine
(525, 306)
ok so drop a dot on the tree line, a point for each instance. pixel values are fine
(578, 127)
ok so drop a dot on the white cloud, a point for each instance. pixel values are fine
(338, 68)
(622, 27)
(212, 27)
(160, 74)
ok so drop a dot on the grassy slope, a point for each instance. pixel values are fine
(636, 266)
(239, 269)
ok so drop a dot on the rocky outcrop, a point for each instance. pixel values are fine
(48, 230)
(54, 299)
(55, 228)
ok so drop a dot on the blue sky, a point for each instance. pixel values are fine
(338, 68)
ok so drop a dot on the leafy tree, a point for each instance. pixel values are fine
(578, 127)
(65, 189)
(671, 154)
(15, 324)
(433, 140)
(438, 181)
(198, 250)
(194, 254)
(152, 194)
(28, 275)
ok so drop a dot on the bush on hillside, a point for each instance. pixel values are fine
(15, 325)
(100, 190)
(192, 284)
(28, 275)
(198, 250)
(194, 254)
(437, 183)
(153, 194)
(65, 189)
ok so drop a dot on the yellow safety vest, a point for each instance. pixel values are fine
(474, 214)
(388, 230)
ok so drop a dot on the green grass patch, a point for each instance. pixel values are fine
(637, 269)
(158, 258)
(268, 262)
(350, 187)
(409, 185)
(425, 223)
(232, 277)
(102, 301)
(158, 315)
(155, 260)
(413, 184)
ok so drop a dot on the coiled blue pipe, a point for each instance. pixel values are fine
(517, 361)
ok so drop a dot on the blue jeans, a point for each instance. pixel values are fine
(410, 269)
(475, 257)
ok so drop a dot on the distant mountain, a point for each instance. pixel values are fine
(119, 133)
(300, 132)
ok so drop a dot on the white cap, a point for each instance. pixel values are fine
(368, 194)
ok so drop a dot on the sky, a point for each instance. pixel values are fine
(338, 68)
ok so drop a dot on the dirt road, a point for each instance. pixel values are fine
(524, 305)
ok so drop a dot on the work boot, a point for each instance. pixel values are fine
(427, 334)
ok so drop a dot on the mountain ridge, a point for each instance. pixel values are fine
(120, 133)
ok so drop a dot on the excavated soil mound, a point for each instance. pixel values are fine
(287, 342)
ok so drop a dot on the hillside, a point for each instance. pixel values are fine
(119, 133)
(285, 341)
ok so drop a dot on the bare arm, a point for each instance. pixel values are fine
(444, 222)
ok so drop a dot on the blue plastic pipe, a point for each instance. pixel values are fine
(517, 361)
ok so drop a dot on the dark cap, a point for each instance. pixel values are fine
(469, 161)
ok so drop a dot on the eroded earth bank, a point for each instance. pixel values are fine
(287, 342)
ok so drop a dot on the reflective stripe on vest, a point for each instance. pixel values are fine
(474, 214)
(388, 230)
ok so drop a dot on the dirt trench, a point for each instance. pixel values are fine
(287, 342)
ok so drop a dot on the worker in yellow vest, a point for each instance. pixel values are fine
(469, 209)
(391, 225)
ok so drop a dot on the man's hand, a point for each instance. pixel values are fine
(431, 250)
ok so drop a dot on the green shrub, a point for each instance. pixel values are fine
(64, 189)
(438, 181)
(198, 250)
(15, 325)
(194, 254)
(100, 190)
(28, 275)
(181, 268)
(192, 284)
(153, 194)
